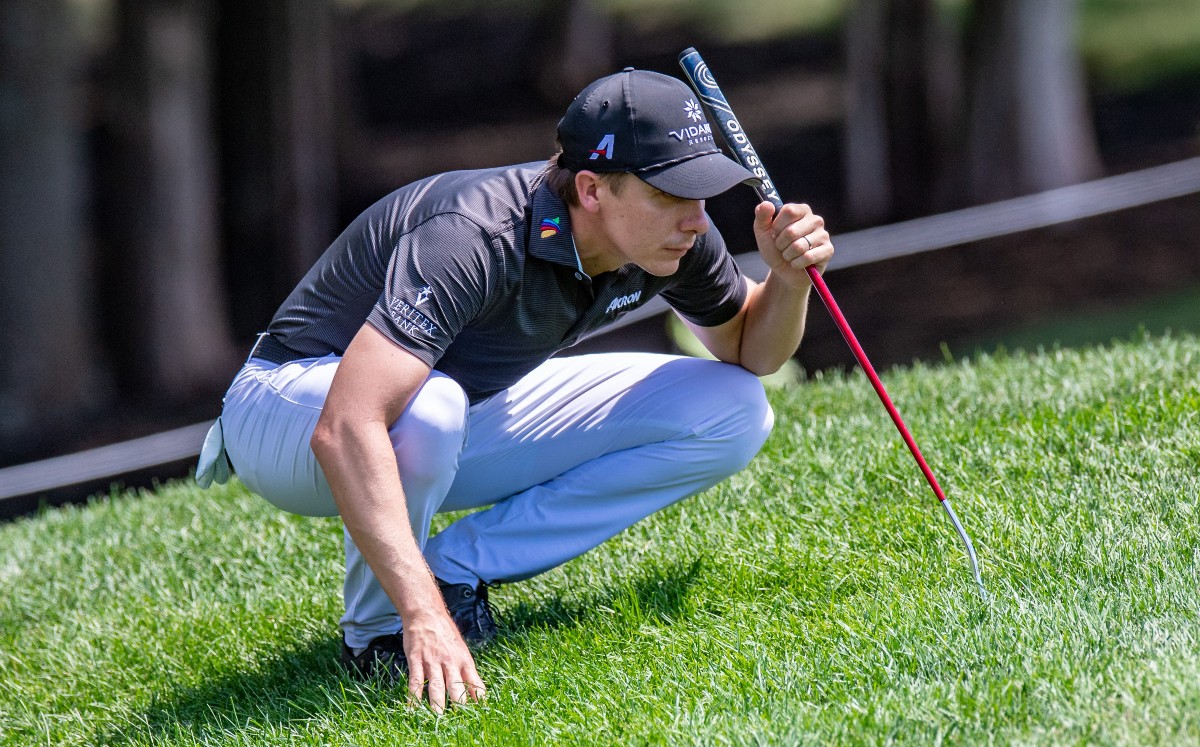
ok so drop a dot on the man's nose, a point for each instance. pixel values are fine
(695, 221)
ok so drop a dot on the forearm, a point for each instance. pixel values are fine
(360, 466)
(774, 324)
(792, 240)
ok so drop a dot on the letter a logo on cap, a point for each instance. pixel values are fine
(605, 148)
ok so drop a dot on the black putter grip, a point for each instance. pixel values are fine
(705, 85)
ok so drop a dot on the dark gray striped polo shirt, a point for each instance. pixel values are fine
(476, 274)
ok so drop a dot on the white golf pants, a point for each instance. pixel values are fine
(569, 456)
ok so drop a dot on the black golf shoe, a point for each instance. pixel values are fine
(471, 612)
(382, 659)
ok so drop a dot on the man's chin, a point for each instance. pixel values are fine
(662, 269)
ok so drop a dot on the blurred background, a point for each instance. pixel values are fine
(170, 168)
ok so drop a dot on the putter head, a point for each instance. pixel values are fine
(962, 533)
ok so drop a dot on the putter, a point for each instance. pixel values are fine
(705, 85)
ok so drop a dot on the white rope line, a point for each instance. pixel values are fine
(1061, 205)
(856, 248)
(104, 461)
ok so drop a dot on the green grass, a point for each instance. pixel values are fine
(819, 597)
(1134, 44)
(1177, 311)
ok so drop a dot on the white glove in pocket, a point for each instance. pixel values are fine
(214, 464)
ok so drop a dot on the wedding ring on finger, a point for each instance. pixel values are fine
(806, 241)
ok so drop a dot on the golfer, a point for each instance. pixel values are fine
(412, 371)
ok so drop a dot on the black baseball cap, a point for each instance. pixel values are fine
(653, 126)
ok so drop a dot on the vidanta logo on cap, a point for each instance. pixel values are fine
(694, 134)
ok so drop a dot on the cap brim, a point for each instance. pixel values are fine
(699, 178)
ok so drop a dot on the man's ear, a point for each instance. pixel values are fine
(587, 186)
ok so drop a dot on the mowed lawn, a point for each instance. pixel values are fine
(820, 597)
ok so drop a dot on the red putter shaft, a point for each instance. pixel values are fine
(861, 355)
(705, 85)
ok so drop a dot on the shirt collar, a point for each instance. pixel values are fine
(550, 233)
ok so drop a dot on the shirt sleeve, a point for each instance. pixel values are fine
(437, 280)
(709, 288)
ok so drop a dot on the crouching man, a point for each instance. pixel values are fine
(411, 371)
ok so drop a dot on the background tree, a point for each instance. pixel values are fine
(48, 370)
(159, 210)
(928, 130)
(277, 109)
(903, 110)
(1030, 128)
(578, 48)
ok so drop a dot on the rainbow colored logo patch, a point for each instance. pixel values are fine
(551, 226)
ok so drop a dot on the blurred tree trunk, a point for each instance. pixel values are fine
(279, 147)
(1030, 128)
(575, 43)
(903, 104)
(48, 371)
(160, 204)
(868, 152)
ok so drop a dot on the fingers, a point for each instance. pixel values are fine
(440, 666)
(437, 693)
(416, 684)
(466, 685)
(454, 683)
(764, 212)
(793, 222)
(468, 688)
(793, 237)
(813, 248)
